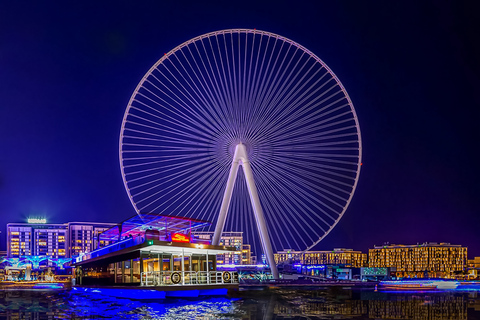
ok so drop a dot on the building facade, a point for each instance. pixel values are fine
(421, 260)
(241, 256)
(53, 240)
(83, 237)
(339, 256)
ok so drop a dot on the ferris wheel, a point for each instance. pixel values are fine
(290, 114)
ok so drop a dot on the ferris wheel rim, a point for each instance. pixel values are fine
(263, 33)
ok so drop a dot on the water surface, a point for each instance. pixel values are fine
(327, 303)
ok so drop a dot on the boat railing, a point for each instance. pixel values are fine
(167, 278)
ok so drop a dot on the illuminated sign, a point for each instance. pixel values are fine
(316, 267)
(372, 271)
(36, 220)
(179, 237)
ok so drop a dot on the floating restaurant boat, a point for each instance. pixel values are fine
(155, 252)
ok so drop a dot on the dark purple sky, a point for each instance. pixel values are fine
(412, 71)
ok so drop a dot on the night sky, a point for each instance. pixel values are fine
(412, 71)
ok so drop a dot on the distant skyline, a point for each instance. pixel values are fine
(411, 70)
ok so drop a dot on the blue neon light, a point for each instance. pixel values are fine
(321, 267)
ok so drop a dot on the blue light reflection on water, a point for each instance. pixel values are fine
(92, 306)
(327, 303)
(74, 304)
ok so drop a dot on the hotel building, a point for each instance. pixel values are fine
(241, 256)
(339, 256)
(53, 240)
(421, 260)
(36, 240)
(83, 237)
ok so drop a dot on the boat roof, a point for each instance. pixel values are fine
(138, 224)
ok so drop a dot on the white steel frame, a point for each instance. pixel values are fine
(240, 158)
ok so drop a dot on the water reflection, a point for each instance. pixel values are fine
(331, 303)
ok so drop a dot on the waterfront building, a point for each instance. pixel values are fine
(338, 256)
(242, 254)
(66, 240)
(338, 263)
(36, 239)
(421, 260)
(154, 251)
(473, 268)
(83, 237)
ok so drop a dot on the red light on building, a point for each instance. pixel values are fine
(180, 237)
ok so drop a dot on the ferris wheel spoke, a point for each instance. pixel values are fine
(293, 222)
(323, 127)
(267, 187)
(325, 181)
(213, 94)
(308, 135)
(245, 86)
(235, 74)
(276, 226)
(280, 172)
(203, 198)
(296, 94)
(156, 141)
(214, 87)
(283, 118)
(323, 124)
(216, 183)
(276, 104)
(223, 78)
(328, 169)
(283, 93)
(139, 134)
(189, 183)
(174, 104)
(263, 73)
(204, 105)
(275, 78)
(200, 106)
(202, 121)
(256, 76)
(294, 142)
(167, 178)
(165, 170)
(159, 125)
(310, 122)
(176, 204)
(232, 71)
(269, 78)
(221, 96)
(297, 195)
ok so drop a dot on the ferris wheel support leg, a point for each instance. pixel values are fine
(227, 196)
(262, 226)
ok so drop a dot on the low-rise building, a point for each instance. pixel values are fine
(241, 256)
(420, 260)
(473, 266)
(338, 256)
